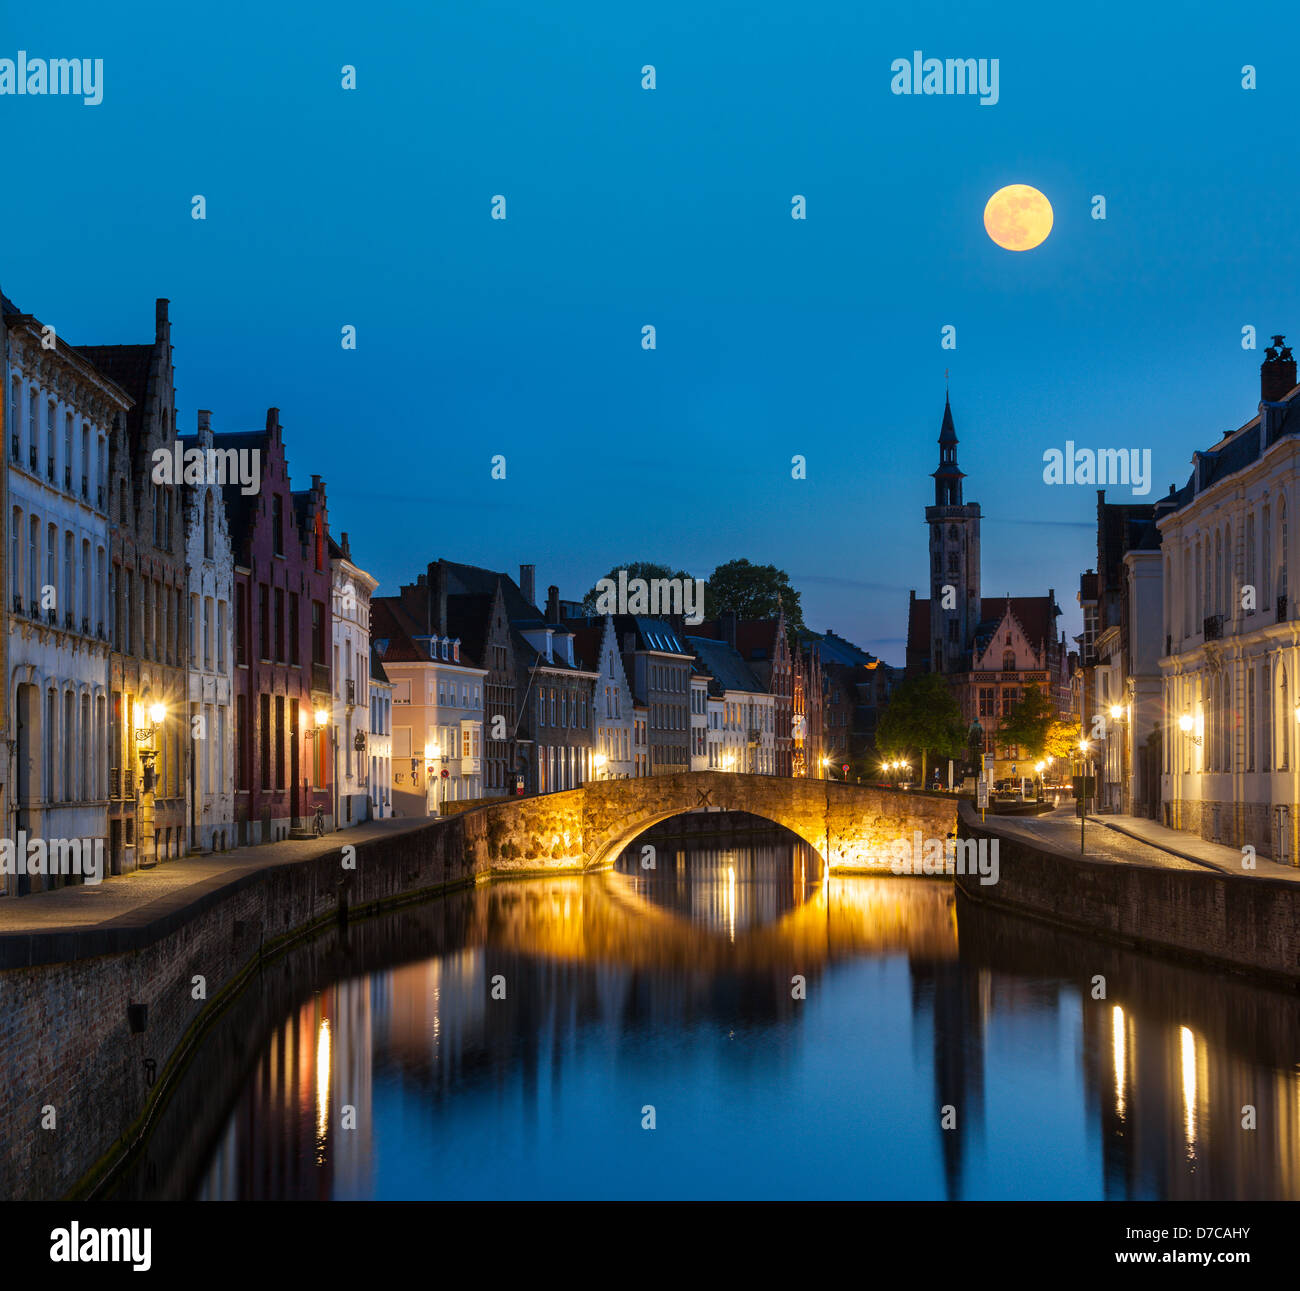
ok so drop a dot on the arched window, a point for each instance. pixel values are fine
(16, 416)
(1008, 661)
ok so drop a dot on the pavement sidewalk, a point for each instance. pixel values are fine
(1179, 842)
(125, 903)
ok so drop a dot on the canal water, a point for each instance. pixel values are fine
(715, 1019)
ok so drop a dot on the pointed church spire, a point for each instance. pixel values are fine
(947, 432)
(948, 478)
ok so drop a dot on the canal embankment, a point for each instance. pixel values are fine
(1247, 923)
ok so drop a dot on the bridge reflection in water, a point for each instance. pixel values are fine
(673, 987)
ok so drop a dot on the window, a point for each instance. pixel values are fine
(317, 632)
(277, 524)
(264, 624)
(293, 627)
(207, 526)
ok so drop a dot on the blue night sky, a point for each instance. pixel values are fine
(625, 207)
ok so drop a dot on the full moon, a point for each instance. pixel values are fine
(1018, 217)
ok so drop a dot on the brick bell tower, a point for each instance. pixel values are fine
(954, 559)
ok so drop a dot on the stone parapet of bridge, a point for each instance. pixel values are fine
(854, 827)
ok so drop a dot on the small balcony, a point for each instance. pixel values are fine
(32, 458)
(1213, 627)
(15, 448)
(320, 677)
(1281, 607)
(350, 693)
(67, 478)
(85, 489)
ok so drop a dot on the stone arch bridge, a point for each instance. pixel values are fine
(849, 826)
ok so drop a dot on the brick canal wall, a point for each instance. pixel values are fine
(66, 1041)
(1246, 924)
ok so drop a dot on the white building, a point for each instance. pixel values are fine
(745, 737)
(438, 696)
(381, 739)
(700, 718)
(210, 571)
(60, 412)
(1231, 648)
(714, 736)
(612, 702)
(350, 592)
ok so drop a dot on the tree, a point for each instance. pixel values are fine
(646, 569)
(923, 715)
(752, 592)
(1062, 740)
(1028, 724)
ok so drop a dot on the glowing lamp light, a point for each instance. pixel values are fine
(1116, 712)
(598, 761)
(322, 717)
(156, 713)
(1185, 723)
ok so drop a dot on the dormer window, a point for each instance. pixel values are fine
(455, 650)
(445, 644)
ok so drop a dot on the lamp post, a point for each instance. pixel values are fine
(145, 833)
(599, 762)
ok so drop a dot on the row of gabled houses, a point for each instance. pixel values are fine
(1190, 652)
(194, 662)
(186, 647)
(494, 695)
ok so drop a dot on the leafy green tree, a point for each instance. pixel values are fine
(752, 592)
(646, 569)
(923, 717)
(1029, 724)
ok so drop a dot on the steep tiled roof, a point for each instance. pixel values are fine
(725, 666)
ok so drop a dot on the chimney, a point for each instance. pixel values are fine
(205, 427)
(346, 546)
(162, 329)
(440, 576)
(552, 604)
(1277, 372)
(528, 582)
(273, 424)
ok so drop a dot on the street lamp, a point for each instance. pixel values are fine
(1185, 725)
(144, 738)
(599, 761)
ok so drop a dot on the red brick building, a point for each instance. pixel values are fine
(284, 763)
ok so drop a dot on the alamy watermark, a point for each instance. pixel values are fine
(1128, 466)
(66, 857)
(181, 465)
(920, 855)
(946, 76)
(657, 596)
(82, 77)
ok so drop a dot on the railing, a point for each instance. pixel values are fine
(49, 468)
(85, 488)
(15, 448)
(1281, 607)
(32, 457)
(67, 478)
(114, 782)
(1213, 627)
(128, 782)
(352, 692)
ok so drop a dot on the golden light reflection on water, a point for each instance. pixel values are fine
(1121, 1057)
(322, 1086)
(1187, 1043)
